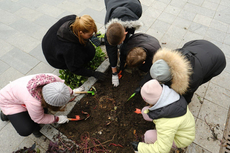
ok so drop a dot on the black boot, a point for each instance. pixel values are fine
(37, 132)
(4, 117)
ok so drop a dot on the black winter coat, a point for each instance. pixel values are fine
(149, 43)
(63, 50)
(206, 60)
(127, 12)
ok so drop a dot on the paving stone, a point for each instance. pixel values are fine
(216, 34)
(182, 23)
(178, 3)
(204, 137)
(96, 15)
(50, 10)
(225, 48)
(23, 41)
(147, 2)
(199, 10)
(218, 25)
(10, 139)
(176, 32)
(6, 31)
(223, 14)
(7, 18)
(221, 96)
(30, 4)
(38, 54)
(3, 67)
(5, 47)
(227, 40)
(19, 60)
(72, 7)
(10, 74)
(147, 20)
(210, 5)
(42, 142)
(198, 28)
(46, 21)
(156, 33)
(158, 5)
(28, 13)
(166, 17)
(170, 41)
(186, 14)
(41, 68)
(9, 6)
(2, 124)
(29, 28)
(190, 36)
(194, 148)
(195, 105)
(222, 80)
(202, 20)
(196, 2)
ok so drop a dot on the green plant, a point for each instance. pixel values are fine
(73, 80)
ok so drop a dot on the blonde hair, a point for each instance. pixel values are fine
(85, 24)
(115, 33)
(136, 57)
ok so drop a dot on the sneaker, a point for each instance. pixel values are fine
(4, 117)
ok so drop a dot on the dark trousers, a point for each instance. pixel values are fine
(23, 124)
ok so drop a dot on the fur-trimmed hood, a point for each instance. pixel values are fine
(126, 24)
(181, 69)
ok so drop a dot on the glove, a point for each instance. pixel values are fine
(135, 145)
(81, 88)
(62, 119)
(95, 41)
(115, 80)
(99, 75)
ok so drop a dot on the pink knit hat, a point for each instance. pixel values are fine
(151, 91)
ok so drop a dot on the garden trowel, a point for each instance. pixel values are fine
(90, 92)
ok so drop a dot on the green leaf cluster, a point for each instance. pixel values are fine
(73, 80)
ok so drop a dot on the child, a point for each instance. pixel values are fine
(66, 45)
(23, 102)
(121, 21)
(138, 51)
(185, 69)
(175, 125)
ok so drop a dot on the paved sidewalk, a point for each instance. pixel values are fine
(23, 24)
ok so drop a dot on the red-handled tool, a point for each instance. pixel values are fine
(77, 118)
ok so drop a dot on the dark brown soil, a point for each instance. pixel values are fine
(112, 118)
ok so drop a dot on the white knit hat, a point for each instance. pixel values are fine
(160, 71)
(56, 94)
(151, 91)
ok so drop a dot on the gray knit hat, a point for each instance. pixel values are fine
(160, 71)
(56, 94)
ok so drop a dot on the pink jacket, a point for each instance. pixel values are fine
(15, 96)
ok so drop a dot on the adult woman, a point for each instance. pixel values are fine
(23, 102)
(66, 45)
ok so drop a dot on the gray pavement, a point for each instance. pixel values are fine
(23, 24)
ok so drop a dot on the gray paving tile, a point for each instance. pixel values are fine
(215, 1)
(38, 54)
(30, 4)
(166, 17)
(186, 14)
(20, 60)
(147, 2)
(172, 10)
(225, 48)
(218, 95)
(227, 68)
(210, 5)
(216, 34)
(176, 32)
(190, 36)
(156, 33)
(72, 7)
(50, 10)
(9, 75)
(43, 142)
(170, 41)
(29, 28)
(28, 13)
(9, 6)
(222, 80)
(225, 3)
(178, 3)
(204, 20)
(2, 125)
(96, 4)
(5, 47)
(7, 18)
(199, 10)
(6, 31)
(96, 15)
(227, 40)
(204, 137)
(218, 25)
(22, 41)
(158, 5)
(182, 23)
(46, 21)
(196, 2)
(195, 105)
(223, 14)
(3, 67)
(41, 68)
(8, 145)
(195, 148)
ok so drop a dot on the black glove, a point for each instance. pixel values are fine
(95, 41)
(99, 75)
(137, 90)
(135, 145)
